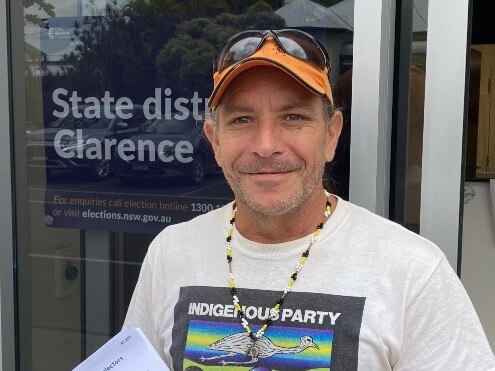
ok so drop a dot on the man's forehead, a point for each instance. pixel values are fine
(265, 83)
(241, 105)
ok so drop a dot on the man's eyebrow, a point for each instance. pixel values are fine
(244, 108)
(238, 108)
(295, 105)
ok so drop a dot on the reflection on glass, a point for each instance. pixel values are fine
(102, 188)
(168, 148)
(482, 112)
(70, 122)
(416, 115)
(171, 127)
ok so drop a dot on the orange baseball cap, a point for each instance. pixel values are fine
(271, 54)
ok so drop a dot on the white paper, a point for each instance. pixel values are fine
(128, 350)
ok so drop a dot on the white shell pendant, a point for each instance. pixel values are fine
(253, 351)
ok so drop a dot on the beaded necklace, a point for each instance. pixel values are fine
(253, 351)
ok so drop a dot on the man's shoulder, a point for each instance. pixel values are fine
(388, 237)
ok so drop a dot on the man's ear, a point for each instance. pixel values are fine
(210, 130)
(333, 132)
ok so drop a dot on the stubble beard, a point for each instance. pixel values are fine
(302, 192)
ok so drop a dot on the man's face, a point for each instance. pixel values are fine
(272, 141)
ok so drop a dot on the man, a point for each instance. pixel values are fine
(288, 276)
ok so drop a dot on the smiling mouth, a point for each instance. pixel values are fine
(267, 167)
(273, 172)
(270, 172)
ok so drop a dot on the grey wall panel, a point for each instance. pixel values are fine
(7, 341)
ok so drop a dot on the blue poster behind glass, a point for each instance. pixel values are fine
(123, 145)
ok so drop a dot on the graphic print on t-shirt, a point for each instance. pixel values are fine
(312, 332)
(278, 347)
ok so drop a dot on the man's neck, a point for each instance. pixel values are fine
(298, 223)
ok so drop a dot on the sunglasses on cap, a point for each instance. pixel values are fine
(296, 43)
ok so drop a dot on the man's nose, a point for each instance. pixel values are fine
(267, 140)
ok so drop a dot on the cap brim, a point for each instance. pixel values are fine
(304, 79)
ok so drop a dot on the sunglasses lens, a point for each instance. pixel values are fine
(238, 49)
(302, 46)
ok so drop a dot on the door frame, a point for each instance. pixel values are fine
(7, 302)
(446, 95)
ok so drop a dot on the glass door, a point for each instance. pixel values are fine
(407, 134)
(109, 99)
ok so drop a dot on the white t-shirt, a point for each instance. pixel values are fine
(371, 296)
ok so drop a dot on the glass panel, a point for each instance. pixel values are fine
(409, 112)
(478, 222)
(115, 94)
(416, 112)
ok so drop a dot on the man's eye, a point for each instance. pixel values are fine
(293, 117)
(240, 120)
